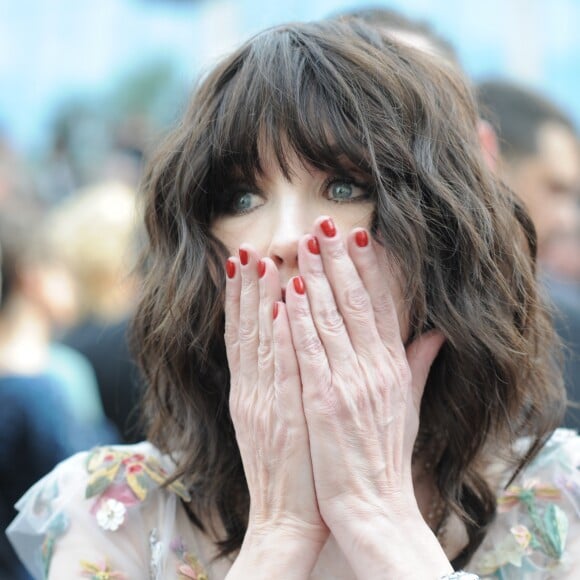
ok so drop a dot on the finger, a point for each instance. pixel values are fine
(326, 316)
(371, 270)
(232, 313)
(337, 276)
(420, 355)
(270, 292)
(287, 384)
(313, 363)
(248, 331)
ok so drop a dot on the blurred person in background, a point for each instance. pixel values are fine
(417, 33)
(537, 154)
(539, 158)
(421, 35)
(96, 227)
(49, 401)
(363, 226)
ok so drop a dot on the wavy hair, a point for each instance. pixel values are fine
(327, 92)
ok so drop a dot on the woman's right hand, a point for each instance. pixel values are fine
(267, 413)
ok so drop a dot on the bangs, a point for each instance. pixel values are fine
(283, 98)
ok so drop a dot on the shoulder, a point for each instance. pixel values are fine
(537, 529)
(109, 503)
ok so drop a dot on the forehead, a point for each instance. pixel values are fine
(559, 150)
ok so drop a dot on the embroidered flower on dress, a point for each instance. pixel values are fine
(58, 522)
(111, 515)
(189, 568)
(523, 537)
(120, 479)
(132, 475)
(532, 490)
(100, 571)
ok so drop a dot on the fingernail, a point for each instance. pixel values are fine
(244, 257)
(361, 238)
(298, 282)
(230, 268)
(328, 227)
(275, 310)
(313, 246)
(261, 268)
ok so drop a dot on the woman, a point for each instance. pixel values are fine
(391, 367)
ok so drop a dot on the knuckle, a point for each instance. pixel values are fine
(264, 359)
(310, 345)
(330, 320)
(336, 251)
(356, 298)
(249, 290)
(247, 330)
(230, 332)
(383, 304)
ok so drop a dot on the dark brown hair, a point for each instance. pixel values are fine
(458, 235)
(392, 21)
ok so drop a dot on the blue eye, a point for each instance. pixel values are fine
(340, 190)
(343, 190)
(244, 201)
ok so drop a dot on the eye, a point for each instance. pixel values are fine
(243, 202)
(345, 190)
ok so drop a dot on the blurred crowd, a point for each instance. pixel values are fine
(69, 244)
(69, 281)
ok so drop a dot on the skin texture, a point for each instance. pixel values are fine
(324, 397)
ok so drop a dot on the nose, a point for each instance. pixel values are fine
(292, 221)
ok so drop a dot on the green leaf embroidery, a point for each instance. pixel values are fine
(556, 526)
(56, 528)
(97, 485)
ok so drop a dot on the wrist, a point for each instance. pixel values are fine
(385, 547)
(269, 552)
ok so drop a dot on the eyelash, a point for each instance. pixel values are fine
(341, 179)
(328, 183)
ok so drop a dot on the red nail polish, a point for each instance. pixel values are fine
(313, 246)
(261, 268)
(275, 310)
(244, 258)
(328, 227)
(361, 238)
(298, 282)
(230, 268)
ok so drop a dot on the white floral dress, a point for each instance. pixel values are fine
(103, 515)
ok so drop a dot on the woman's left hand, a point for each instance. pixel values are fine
(361, 392)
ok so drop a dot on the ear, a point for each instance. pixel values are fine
(489, 144)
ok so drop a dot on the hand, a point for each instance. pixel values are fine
(361, 389)
(266, 409)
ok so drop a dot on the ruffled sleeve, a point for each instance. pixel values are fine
(536, 534)
(104, 515)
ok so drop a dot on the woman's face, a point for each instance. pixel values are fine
(273, 217)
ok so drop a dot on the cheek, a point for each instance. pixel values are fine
(396, 282)
(350, 216)
(228, 235)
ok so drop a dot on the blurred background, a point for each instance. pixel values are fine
(87, 89)
(87, 75)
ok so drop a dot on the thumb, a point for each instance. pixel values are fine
(420, 356)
